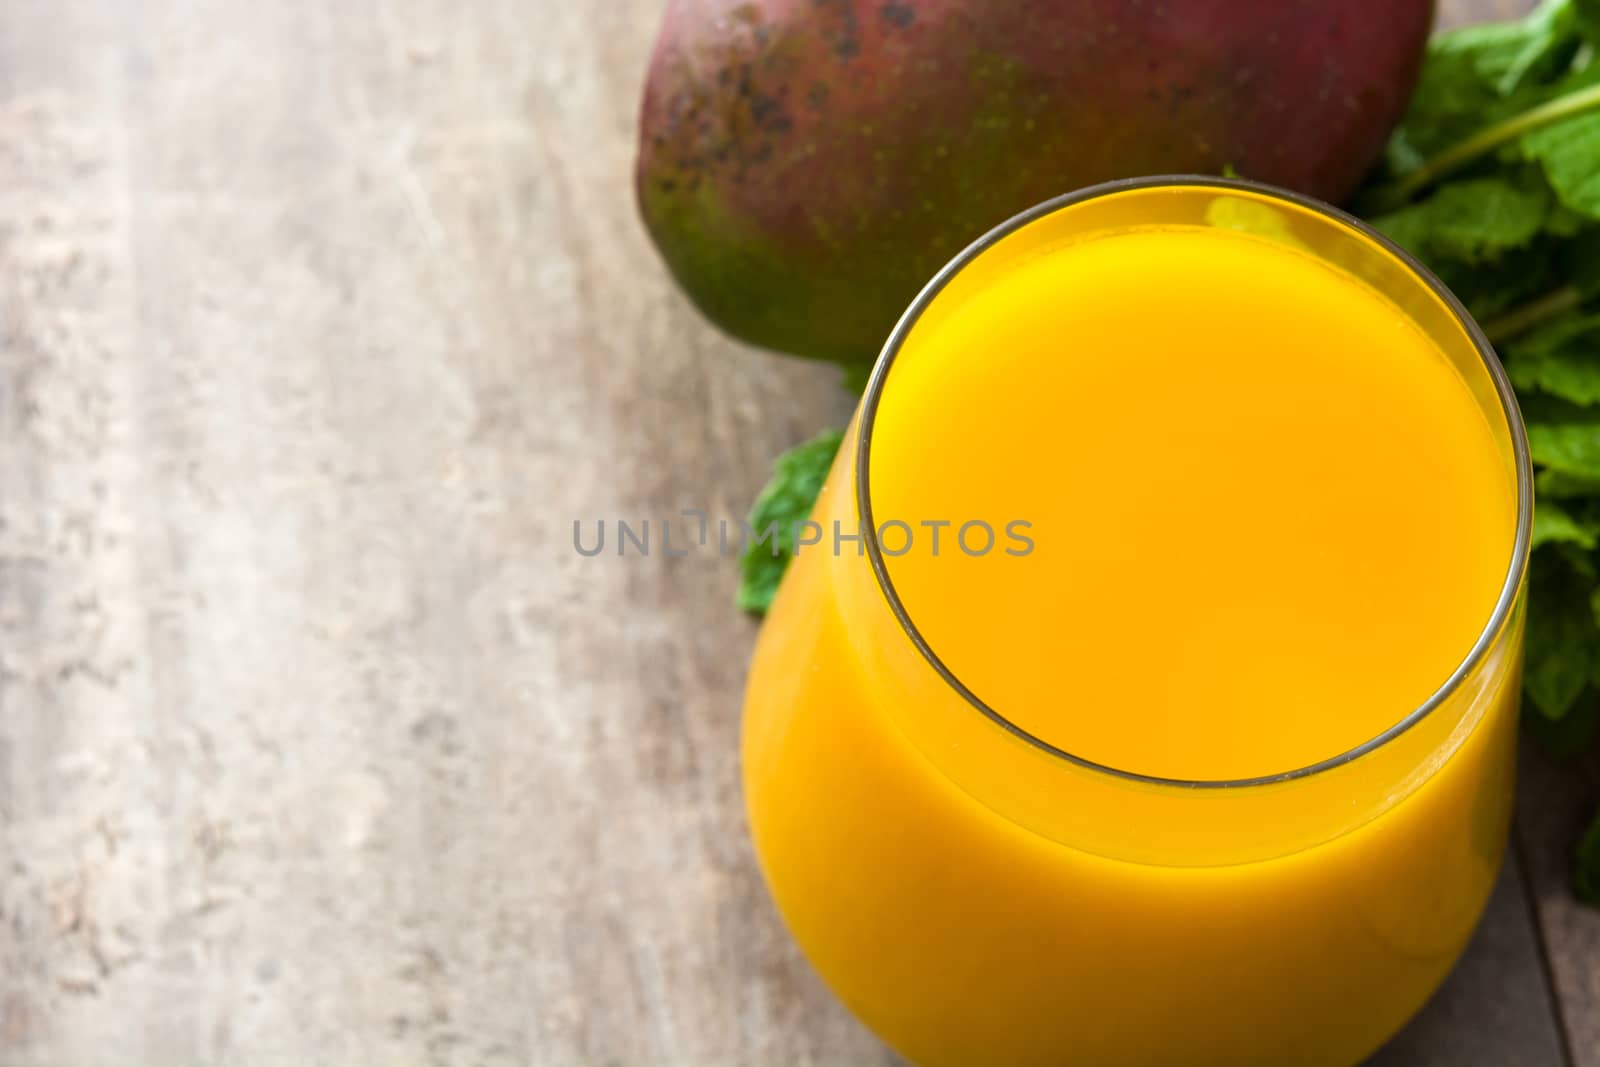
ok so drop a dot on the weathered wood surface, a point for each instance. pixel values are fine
(319, 324)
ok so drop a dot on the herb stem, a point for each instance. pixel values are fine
(1488, 139)
(1525, 317)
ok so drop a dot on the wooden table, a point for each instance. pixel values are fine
(319, 324)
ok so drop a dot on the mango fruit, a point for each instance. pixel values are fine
(805, 166)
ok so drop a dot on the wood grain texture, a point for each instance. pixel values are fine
(321, 745)
(319, 325)
(1556, 802)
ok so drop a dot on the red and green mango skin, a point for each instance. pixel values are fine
(805, 166)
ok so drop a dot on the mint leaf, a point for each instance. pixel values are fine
(1559, 485)
(1477, 74)
(1480, 218)
(1489, 289)
(1562, 221)
(1580, 258)
(1409, 228)
(1562, 637)
(1554, 524)
(1561, 358)
(797, 477)
(1508, 55)
(1586, 874)
(1569, 151)
(1570, 447)
(1586, 16)
(1471, 220)
(1581, 566)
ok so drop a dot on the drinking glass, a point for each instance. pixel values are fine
(980, 896)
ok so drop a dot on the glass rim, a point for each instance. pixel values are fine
(1504, 602)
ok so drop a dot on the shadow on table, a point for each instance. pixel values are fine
(1495, 1008)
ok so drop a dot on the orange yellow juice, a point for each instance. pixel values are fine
(1193, 741)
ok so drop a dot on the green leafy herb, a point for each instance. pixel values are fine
(1561, 359)
(1569, 447)
(1559, 485)
(1586, 877)
(1472, 221)
(1474, 75)
(1562, 642)
(787, 500)
(1552, 524)
(1569, 151)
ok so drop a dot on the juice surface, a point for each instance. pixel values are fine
(1268, 517)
